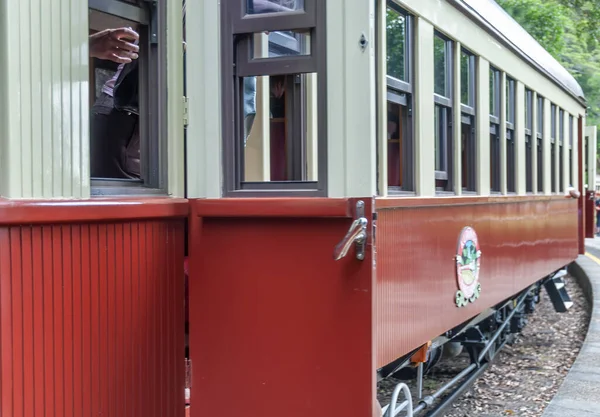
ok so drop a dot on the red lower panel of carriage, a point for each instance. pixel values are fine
(522, 239)
(279, 327)
(91, 312)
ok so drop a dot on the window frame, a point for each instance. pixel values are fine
(561, 137)
(528, 141)
(445, 104)
(540, 143)
(571, 137)
(495, 103)
(153, 132)
(510, 134)
(236, 45)
(401, 92)
(553, 145)
(468, 118)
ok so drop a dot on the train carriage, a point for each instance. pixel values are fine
(359, 187)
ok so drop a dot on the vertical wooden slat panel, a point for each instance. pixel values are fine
(91, 319)
(6, 359)
(68, 307)
(28, 351)
(37, 322)
(58, 317)
(17, 314)
(47, 318)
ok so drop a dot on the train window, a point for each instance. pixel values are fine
(276, 139)
(540, 143)
(510, 135)
(127, 146)
(468, 143)
(400, 152)
(495, 130)
(561, 137)
(443, 48)
(571, 122)
(553, 148)
(528, 141)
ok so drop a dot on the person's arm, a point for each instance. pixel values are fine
(117, 45)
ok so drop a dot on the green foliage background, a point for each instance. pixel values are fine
(570, 31)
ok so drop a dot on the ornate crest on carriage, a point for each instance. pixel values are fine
(468, 264)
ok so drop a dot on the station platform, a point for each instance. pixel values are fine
(579, 395)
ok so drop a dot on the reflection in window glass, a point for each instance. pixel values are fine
(281, 44)
(492, 93)
(273, 6)
(440, 120)
(396, 44)
(465, 79)
(284, 128)
(440, 66)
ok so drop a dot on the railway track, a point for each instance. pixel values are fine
(522, 378)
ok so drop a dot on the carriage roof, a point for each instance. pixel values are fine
(490, 15)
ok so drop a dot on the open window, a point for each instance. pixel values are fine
(443, 93)
(540, 143)
(495, 130)
(400, 146)
(528, 141)
(274, 97)
(553, 128)
(467, 113)
(128, 102)
(510, 135)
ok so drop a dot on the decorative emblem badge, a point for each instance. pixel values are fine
(468, 262)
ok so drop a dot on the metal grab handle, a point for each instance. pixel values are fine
(357, 234)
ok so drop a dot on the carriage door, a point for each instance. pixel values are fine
(280, 254)
(589, 179)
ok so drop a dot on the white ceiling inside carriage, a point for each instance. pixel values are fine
(491, 14)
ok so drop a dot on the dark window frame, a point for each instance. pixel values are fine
(444, 177)
(553, 150)
(528, 141)
(571, 126)
(401, 92)
(148, 17)
(468, 121)
(561, 137)
(495, 102)
(540, 143)
(237, 31)
(510, 92)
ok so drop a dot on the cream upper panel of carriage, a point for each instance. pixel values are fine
(457, 25)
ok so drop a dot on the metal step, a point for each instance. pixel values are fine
(557, 291)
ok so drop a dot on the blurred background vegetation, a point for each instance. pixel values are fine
(570, 31)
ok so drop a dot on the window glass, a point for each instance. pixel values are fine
(396, 25)
(467, 78)
(440, 66)
(273, 6)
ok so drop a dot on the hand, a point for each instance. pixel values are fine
(111, 44)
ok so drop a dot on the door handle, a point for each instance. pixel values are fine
(357, 234)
